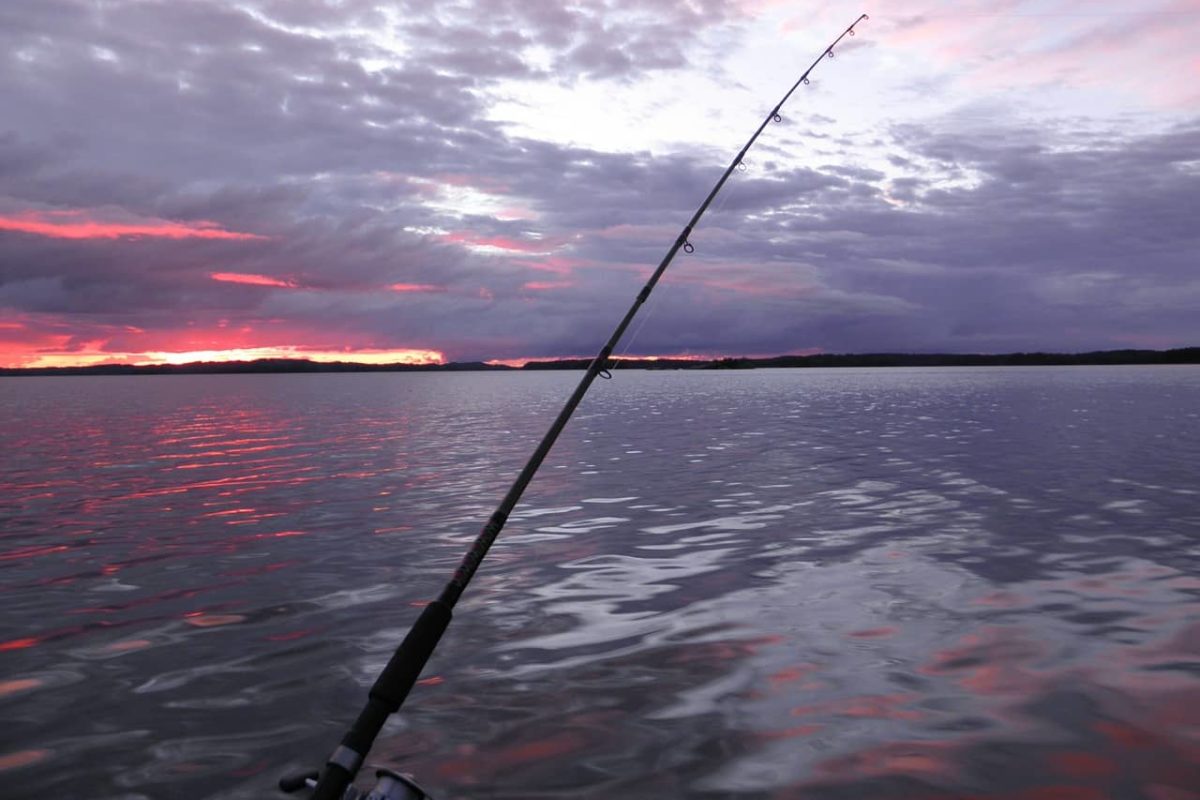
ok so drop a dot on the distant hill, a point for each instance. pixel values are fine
(1184, 355)
(260, 365)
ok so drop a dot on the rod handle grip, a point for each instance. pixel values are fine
(384, 699)
(405, 665)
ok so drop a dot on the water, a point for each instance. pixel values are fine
(813, 584)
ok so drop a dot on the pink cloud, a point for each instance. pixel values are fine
(81, 224)
(559, 265)
(497, 242)
(415, 287)
(742, 278)
(252, 280)
(996, 43)
(546, 286)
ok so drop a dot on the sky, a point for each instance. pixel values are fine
(472, 180)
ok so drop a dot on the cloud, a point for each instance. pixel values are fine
(1106, 46)
(414, 287)
(197, 175)
(252, 280)
(80, 224)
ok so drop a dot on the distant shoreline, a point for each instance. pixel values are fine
(1184, 355)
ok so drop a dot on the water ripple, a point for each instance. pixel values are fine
(809, 583)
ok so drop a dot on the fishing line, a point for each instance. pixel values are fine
(652, 304)
(648, 312)
(400, 674)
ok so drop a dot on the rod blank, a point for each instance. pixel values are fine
(397, 679)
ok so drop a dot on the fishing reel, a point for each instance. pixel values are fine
(389, 785)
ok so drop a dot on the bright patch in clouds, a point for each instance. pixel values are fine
(457, 195)
(498, 244)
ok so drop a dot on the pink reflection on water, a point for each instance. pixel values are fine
(292, 636)
(150, 600)
(791, 674)
(993, 661)
(1062, 792)
(931, 758)
(868, 706)
(128, 646)
(1002, 600)
(1081, 764)
(505, 758)
(794, 732)
(20, 644)
(32, 552)
(227, 512)
(1122, 711)
(22, 758)
(263, 569)
(199, 619)
(873, 633)
(19, 685)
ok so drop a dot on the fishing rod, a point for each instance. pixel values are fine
(402, 670)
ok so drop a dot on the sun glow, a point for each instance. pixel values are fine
(405, 356)
(94, 357)
(41, 341)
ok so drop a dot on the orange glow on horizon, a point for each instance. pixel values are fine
(404, 356)
(79, 225)
(40, 341)
(149, 358)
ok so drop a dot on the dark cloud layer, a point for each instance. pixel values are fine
(337, 133)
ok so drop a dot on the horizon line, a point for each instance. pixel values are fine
(879, 358)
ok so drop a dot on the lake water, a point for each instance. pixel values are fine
(900, 583)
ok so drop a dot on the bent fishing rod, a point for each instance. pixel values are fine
(402, 670)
